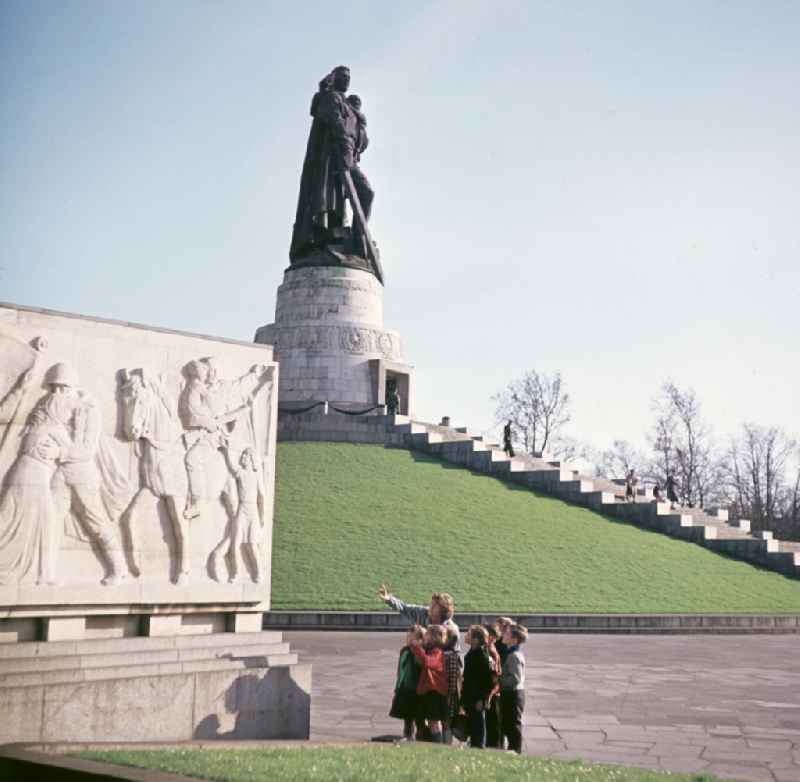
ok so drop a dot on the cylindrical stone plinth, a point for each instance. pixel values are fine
(327, 333)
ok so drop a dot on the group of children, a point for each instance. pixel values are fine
(435, 689)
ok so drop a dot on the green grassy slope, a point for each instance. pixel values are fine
(350, 516)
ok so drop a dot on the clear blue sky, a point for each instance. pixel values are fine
(606, 188)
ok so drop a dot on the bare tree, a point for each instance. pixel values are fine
(567, 449)
(757, 468)
(537, 406)
(793, 511)
(682, 444)
(617, 461)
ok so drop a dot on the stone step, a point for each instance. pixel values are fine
(765, 552)
(599, 499)
(787, 562)
(565, 466)
(679, 525)
(732, 533)
(549, 477)
(426, 438)
(508, 466)
(574, 486)
(136, 644)
(483, 460)
(411, 427)
(742, 524)
(705, 521)
(119, 659)
(455, 451)
(447, 433)
(522, 477)
(77, 675)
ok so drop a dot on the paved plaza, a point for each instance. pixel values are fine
(726, 705)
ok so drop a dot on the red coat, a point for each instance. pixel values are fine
(433, 676)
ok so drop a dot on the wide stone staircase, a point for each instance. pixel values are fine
(710, 529)
(176, 688)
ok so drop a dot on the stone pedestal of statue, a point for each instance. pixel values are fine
(330, 342)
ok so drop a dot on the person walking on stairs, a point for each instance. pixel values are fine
(630, 486)
(672, 495)
(657, 492)
(507, 436)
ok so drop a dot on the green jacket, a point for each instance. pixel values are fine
(407, 670)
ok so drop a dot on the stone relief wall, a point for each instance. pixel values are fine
(136, 465)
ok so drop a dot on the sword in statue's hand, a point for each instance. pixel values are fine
(358, 213)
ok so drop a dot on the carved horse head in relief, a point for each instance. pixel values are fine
(148, 413)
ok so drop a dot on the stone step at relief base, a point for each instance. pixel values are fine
(92, 646)
(84, 674)
(116, 659)
(457, 445)
(225, 685)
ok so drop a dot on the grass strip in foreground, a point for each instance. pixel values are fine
(386, 763)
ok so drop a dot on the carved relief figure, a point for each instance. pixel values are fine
(248, 472)
(210, 409)
(150, 418)
(386, 344)
(355, 340)
(16, 377)
(202, 438)
(65, 427)
(247, 527)
(9, 404)
(28, 531)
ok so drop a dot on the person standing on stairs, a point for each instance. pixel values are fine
(392, 400)
(507, 437)
(630, 486)
(657, 492)
(672, 494)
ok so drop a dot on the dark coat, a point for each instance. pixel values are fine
(478, 681)
(331, 144)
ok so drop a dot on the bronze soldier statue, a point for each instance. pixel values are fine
(332, 175)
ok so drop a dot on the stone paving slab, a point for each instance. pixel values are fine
(717, 704)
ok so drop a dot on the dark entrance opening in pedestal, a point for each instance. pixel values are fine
(388, 376)
(397, 382)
